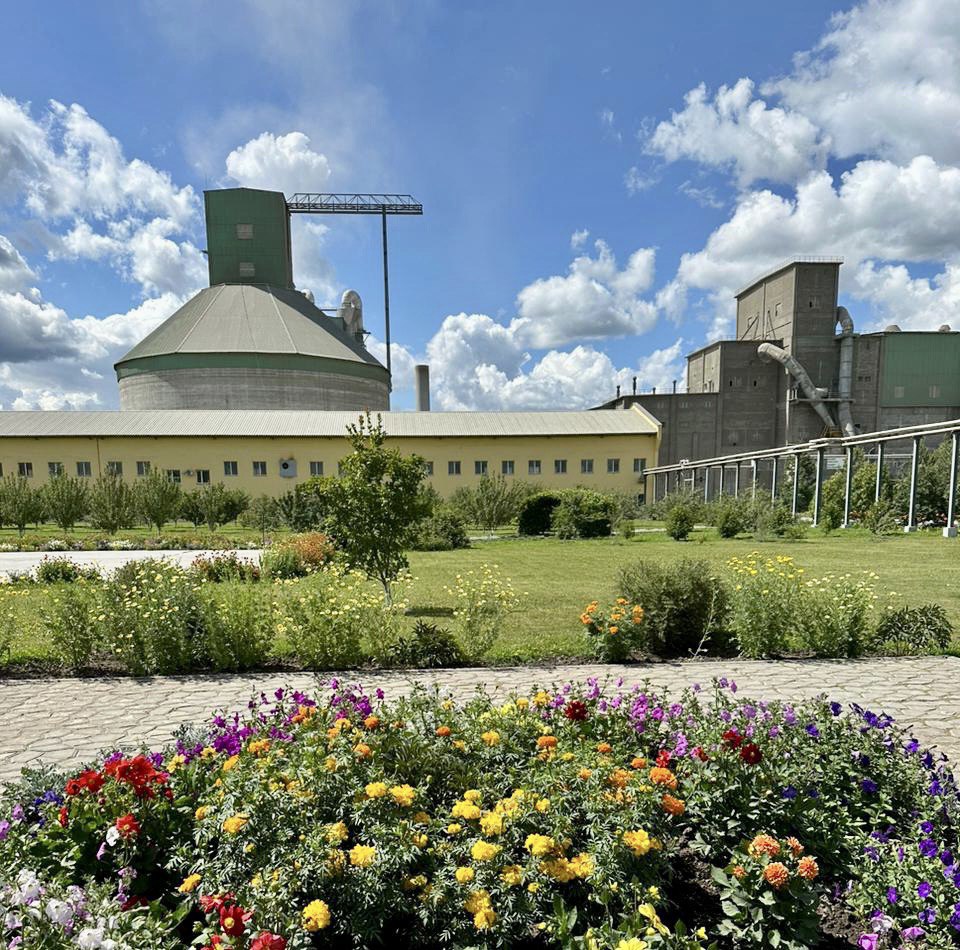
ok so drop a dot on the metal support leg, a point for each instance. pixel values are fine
(796, 485)
(818, 488)
(753, 478)
(706, 484)
(950, 530)
(878, 485)
(386, 298)
(773, 479)
(847, 487)
(914, 471)
(736, 481)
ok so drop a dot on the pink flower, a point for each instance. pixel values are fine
(868, 942)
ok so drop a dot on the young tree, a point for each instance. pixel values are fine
(22, 504)
(112, 504)
(66, 500)
(375, 504)
(235, 502)
(262, 513)
(494, 501)
(189, 508)
(157, 498)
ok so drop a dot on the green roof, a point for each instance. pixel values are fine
(251, 319)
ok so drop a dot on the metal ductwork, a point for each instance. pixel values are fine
(421, 374)
(771, 351)
(846, 372)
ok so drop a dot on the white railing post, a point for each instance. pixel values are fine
(817, 488)
(950, 530)
(847, 487)
(914, 471)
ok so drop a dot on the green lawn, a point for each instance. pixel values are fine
(560, 577)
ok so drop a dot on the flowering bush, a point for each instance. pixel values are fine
(483, 599)
(569, 817)
(615, 634)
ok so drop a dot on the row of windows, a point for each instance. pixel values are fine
(535, 467)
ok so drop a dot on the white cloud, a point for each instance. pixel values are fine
(735, 130)
(15, 273)
(912, 303)
(579, 238)
(702, 195)
(636, 181)
(279, 163)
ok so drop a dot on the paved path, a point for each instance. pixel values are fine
(66, 721)
(107, 561)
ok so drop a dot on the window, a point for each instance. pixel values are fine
(533, 467)
(934, 392)
(613, 466)
(244, 232)
(247, 269)
(25, 469)
(639, 465)
(316, 468)
(83, 469)
(54, 469)
(229, 468)
(776, 310)
(559, 466)
(114, 468)
(898, 392)
(259, 468)
(143, 468)
(506, 467)
(453, 468)
(173, 475)
(428, 467)
(586, 466)
(203, 476)
(480, 468)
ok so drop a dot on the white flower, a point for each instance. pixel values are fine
(113, 835)
(90, 938)
(60, 912)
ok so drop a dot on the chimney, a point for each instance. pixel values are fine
(421, 374)
(618, 392)
(653, 390)
(674, 385)
(634, 385)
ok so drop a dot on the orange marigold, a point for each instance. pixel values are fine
(807, 868)
(584, 773)
(795, 847)
(604, 748)
(443, 731)
(673, 806)
(739, 872)
(661, 776)
(619, 778)
(371, 722)
(638, 763)
(763, 844)
(547, 742)
(776, 874)
(362, 750)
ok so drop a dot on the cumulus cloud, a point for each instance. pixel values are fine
(735, 130)
(579, 238)
(15, 273)
(284, 163)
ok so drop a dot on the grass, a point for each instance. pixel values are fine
(560, 577)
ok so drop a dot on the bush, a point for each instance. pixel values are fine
(482, 601)
(66, 500)
(881, 519)
(296, 556)
(767, 604)
(730, 515)
(658, 510)
(679, 522)
(443, 530)
(583, 513)
(685, 605)
(157, 498)
(427, 646)
(71, 619)
(909, 630)
(774, 521)
(10, 598)
(492, 502)
(263, 513)
(112, 504)
(536, 513)
(61, 570)
(617, 633)
(225, 567)
(237, 629)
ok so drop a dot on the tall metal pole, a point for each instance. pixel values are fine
(773, 479)
(736, 481)
(817, 488)
(950, 530)
(706, 484)
(753, 478)
(796, 485)
(386, 297)
(847, 486)
(878, 485)
(914, 470)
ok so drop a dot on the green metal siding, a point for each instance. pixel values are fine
(268, 250)
(920, 369)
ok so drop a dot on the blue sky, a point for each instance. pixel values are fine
(596, 180)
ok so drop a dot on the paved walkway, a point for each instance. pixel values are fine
(67, 721)
(20, 561)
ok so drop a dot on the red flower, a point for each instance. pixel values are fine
(663, 759)
(138, 772)
(214, 902)
(575, 710)
(138, 900)
(62, 817)
(90, 780)
(128, 826)
(750, 753)
(232, 918)
(732, 739)
(268, 941)
(700, 754)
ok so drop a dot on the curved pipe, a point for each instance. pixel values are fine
(846, 372)
(771, 351)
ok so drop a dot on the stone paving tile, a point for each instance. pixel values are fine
(66, 721)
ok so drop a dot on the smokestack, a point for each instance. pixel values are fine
(618, 392)
(674, 385)
(421, 374)
(634, 385)
(653, 390)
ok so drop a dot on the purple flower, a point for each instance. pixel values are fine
(868, 941)
(733, 686)
(928, 847)
(924, 890)
(869, 786)
(813, 731)
(892, 895)
(836, 708)
(789, 716)
(926, 827)
(912, 933)
(789, 793)
(749, 712)
(4, 828)
(927, 916)
(773, 732)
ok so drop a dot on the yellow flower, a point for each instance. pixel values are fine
(634, 943)
(492, 824)
(376, 790)
(233, 824)
(472, 795)
(403, 795)
(466, 810)
(464, 875)
(542, 698)
(316, 916)
(649, 911)
(230, 763)
(523, 704)
(201, 813)
(176, 762)
(484, 851)
(491, 738)
(258, 746)
(421, 818)
(478, 904)
(453, 828)
(582, 865)
(362, 855)
(640, 843)
(189, 884)
(542, 805)
(331, 764)
(512, 875)
(337, 832)
(539, 845)
(420, 841)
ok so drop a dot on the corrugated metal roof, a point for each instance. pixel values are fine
(250, 318)
(317, 423)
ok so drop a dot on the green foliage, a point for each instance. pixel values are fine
(443, 530)
(482, 601)
(157, 498)
(237, 630)
(426, 646)
(805, 484)
(213, 505)
(933, 481)
(61, 570)
(583, 513)
(263, 514)
(306, 507)
(296, 556)
(615, 633)
(65, 500)
(113, 504)
(492, 502)
(730, 515)
(692, 500)
(228, 566)
(536, 513)
(881, 519)
(375, 505)
(685, 605)
(20, 503)
(679, 522)
(772, 522)
(71, 619)
(911, 630)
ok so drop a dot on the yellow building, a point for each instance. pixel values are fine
(268, 451)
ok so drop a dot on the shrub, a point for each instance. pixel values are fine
(615, 634)
(157, 498)
(836, 615)
(225, 567)
(492, 502)
(482, 601)
(65, 500)
(282, 563)
(427, 646)
(112, 504)
(20, 503)
(679, 522)
(693, 500)
(10, 598)
(767, 604)
(730, 515)
(536, 513)
(923, 629)
(297, 556)
(61, 570)
(71, 619)
(685, 605)
(775, 521)
(213, 505)
(443, 530)
(238, 628)
(263, 514)
(881, 519)
(583, 513)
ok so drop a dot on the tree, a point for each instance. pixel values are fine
(805, 483)
(213, 505)
(375, 505)
(22, 504)
(157, 498)
(189, 508)
(494, 501)
(66, 500)
(112, 504)
(262, 513)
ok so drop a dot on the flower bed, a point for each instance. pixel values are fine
(572, 817)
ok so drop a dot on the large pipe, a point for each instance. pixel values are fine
(846, 372)
(421, 373)
(771, 351)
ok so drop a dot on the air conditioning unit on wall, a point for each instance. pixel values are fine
(288, 468)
